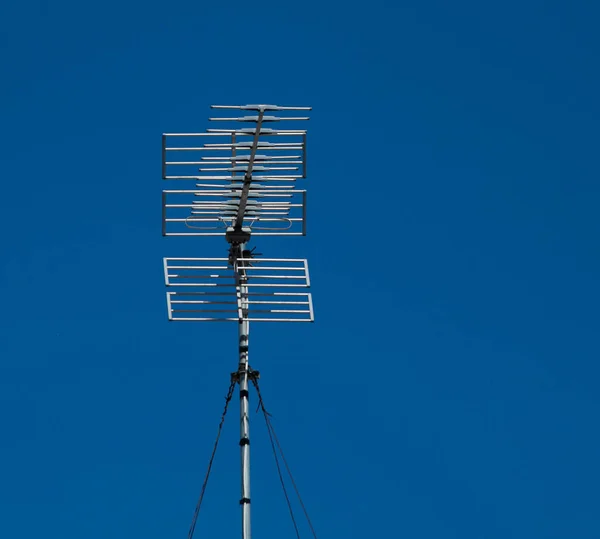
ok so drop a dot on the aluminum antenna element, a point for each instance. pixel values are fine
(205, 290)
(238, 180)
(237, 177)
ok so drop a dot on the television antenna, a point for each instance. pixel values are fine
(240, 182)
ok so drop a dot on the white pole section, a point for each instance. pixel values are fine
(243, 375)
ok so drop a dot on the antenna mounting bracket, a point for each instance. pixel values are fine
(237, 235)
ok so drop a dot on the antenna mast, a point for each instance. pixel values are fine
(236, 192)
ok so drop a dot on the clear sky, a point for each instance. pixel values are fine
(449, 386)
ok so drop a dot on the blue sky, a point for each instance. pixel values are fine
(448, 388)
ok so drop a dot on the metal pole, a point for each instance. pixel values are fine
(243, 376)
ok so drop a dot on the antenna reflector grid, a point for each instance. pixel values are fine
(205, 289)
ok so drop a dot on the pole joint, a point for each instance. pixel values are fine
(252, 375)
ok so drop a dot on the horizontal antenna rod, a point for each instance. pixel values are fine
(258, 107)
(255, 119)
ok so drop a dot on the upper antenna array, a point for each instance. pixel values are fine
(244, 178)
